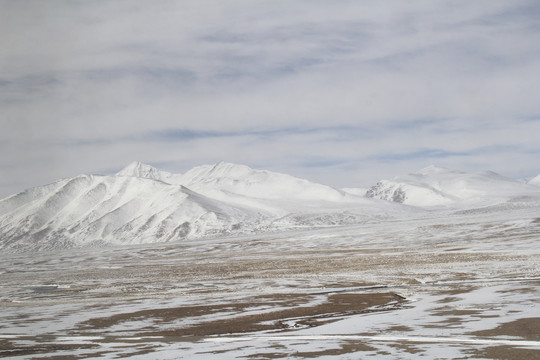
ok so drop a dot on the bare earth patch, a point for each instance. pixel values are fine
(289, 311)
(507, 353)
(528, 328)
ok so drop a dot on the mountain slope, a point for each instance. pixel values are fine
(232, 182)
(435, 186)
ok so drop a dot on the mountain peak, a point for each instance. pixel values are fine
(139, 169)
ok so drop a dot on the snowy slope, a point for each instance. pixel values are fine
(435, 186)
(262, 184)
(276, 193)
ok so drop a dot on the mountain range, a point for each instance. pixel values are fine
(440, 187)
(141, 204)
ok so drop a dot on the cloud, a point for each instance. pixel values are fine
(344, 92)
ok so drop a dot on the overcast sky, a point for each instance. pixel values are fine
(339, 92)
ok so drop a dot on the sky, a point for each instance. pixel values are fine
(340, 92)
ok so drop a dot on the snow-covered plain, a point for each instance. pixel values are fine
(459, 280)
(459, 274)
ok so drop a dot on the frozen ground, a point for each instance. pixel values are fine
(443, 286)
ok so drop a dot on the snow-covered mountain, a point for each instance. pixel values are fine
(142, 204)
(274, 193)
(435, 186)
(111, 209)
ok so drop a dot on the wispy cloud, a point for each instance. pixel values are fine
(344, 92)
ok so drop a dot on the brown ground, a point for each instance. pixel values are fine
(508, 353)
(528, 329)
(285, 307)
(298, 308)
(8, 350)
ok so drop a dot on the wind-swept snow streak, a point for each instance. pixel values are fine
(348, 337)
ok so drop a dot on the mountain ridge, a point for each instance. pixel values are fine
(141, 204)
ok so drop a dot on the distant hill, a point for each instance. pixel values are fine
(435, 186)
